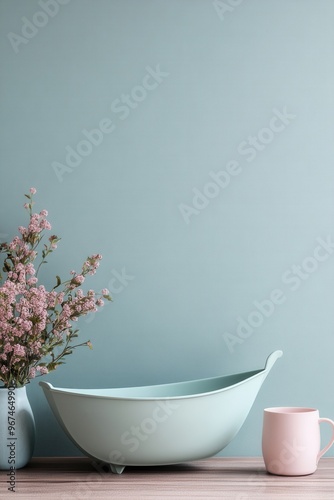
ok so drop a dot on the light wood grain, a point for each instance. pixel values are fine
(228, 478)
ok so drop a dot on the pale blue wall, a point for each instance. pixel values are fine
(225, 77)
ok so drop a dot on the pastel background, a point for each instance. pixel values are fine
(209, 190)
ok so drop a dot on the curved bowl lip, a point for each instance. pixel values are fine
(89, 393)
(78, 392)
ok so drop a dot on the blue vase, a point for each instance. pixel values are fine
(17, 428)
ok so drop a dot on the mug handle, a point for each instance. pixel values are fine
(326, 448)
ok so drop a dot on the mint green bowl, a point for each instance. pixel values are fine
(157, 424)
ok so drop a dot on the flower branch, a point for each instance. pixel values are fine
(34, 322)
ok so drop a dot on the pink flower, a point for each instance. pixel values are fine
(19, 350)
(32, 281)
(30, 269)
(27, 325)
(42, 370)
(33, 190)
(79, 279)
(36, 323)
(44, 224)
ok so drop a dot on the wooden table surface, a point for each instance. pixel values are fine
(79, 478)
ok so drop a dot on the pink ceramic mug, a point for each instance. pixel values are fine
(291, 440)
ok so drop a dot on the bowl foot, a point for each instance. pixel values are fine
(116, 469)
